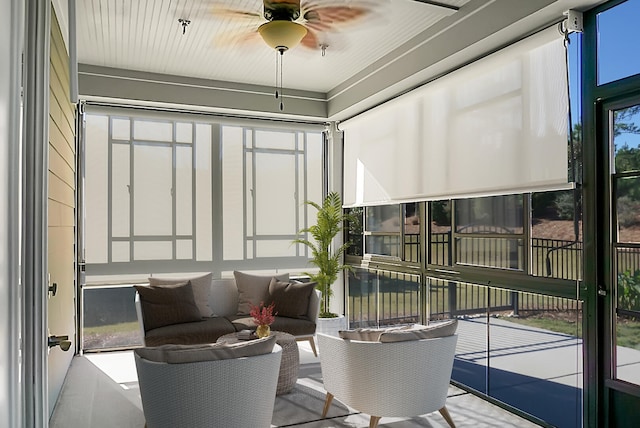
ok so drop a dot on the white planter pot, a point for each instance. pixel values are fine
(331, 326)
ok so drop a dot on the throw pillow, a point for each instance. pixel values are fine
(201, 289)
(368, 334)
(167, 304)
(176, 354)
(417, 332)
(253, 289)
(291, 299)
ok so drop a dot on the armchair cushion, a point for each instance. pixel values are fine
(368, 334)
(164, 305)
(417, 332)
(253, 289)
(177, 354)
(291, 299)
(201, 289)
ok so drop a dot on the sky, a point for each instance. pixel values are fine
(618, 55)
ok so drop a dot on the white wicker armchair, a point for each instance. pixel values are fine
(231, 393)
(388, 379)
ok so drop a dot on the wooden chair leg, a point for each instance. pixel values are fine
(327, 404)
(373, 422)
(313, 346)
(447, 417)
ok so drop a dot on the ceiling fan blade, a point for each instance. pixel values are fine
(331, 15)
(439, 4)
(310, 41)
(233, 13)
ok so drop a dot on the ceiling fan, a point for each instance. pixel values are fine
(306, 21)
(289, 23)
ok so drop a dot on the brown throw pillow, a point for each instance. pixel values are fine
(167, 304)
(201, 289)
(417, 332)
(176, 354)
(253, 289)
(291, 298)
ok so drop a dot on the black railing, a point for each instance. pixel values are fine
(379, 297)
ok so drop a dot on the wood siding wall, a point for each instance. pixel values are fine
(61, 206)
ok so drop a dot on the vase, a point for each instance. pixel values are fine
(263, 330)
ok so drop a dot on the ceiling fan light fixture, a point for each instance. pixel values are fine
(282, 34)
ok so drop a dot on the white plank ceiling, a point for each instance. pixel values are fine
(145, 35)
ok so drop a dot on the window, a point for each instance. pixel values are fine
(393, 230)
(176, 193)
(618, 37)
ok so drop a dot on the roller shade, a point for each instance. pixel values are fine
(496, 126)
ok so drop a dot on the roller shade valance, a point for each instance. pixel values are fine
(496, 126)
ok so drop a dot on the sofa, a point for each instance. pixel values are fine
(200, 309)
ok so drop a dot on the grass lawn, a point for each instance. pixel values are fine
(112, 336)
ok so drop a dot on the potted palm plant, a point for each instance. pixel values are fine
(325, 257)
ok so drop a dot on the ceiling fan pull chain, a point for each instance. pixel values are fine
(281, 91)
(277, 75)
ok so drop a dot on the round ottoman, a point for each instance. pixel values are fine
(289, 364)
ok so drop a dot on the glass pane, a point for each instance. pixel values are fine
(363, 298)
(152, 130)
(628, 209)
(493, 214)
(412, 232)
(184, 191)
(275, 210)
(626, 139)
(96, 196)
(120, 251)
(501, 253)
(184, 132)
(469, 301)
(120, 195)
(275, 140)
(109, 317)
(152, 188)
(203, 204)
(385, 245)
(353, 231)
(556, 239)
(152, 250)
(120, 129)
(184, 249)
(535, 350)
(384, 218)
(440, 223)
(275, 248)
(628, 347)
(398, 298)
(232, 194)
(618, 37)
(627, 321)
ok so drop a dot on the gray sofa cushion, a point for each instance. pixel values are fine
(206, 331)
(176, 354)
(297, 327)
(253, 289)
(291, 298)
(164, 305)
(201, 288)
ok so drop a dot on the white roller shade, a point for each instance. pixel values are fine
(496, 126)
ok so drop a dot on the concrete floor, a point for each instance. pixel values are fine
(101, 390)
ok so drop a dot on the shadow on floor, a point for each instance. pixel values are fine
(552, 402)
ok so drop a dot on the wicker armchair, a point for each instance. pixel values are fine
(231, 393)
(388, 379)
